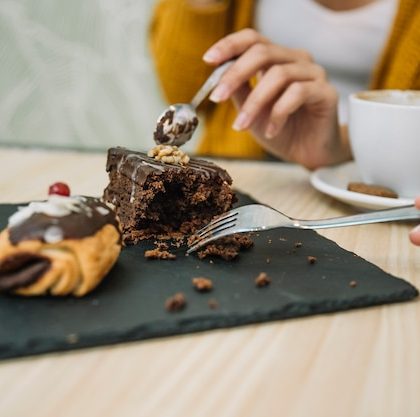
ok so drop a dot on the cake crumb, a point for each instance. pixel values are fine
(268, 260)
(176, 303)
(312, 259)
(228, 247)
(262, 280)
(212, 303)
(353, 283)
(202, 284)
(298, 244)
(157, 253)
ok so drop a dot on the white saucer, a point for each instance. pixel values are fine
(333, 181)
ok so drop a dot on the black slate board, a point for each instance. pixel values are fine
(129, 304)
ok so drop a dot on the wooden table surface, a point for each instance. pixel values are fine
(360, 363)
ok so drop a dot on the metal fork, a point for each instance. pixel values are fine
(257, 217)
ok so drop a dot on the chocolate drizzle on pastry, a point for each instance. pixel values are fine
(85, 216)
(62, 246)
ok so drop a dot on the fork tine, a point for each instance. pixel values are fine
(215, 227)
(213, 231)
(215, 223)
(224, 231)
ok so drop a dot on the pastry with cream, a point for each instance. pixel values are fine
(62, 246)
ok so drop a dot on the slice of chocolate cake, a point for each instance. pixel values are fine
(153, 198)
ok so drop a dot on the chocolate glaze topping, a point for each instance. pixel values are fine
(138, 166)
(91, 216)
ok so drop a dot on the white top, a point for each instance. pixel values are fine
(346, 43)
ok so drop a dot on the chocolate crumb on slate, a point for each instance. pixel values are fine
(176, 303)
(353, 283)
(159, 254)
(213, 304)
(311, 259)
(202, 284)
(228, 247)
(262, 280)
(161, 245)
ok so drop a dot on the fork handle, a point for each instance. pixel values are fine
(210, 83)
(400, 213)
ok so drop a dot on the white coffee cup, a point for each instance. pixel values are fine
(384, 129)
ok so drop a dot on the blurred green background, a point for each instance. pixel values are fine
(77, 73)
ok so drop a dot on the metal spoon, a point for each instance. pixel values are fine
(176, 125)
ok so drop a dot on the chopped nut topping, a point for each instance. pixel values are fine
(169, 154)
(202, 284)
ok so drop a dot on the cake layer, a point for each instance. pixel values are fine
(152, 197)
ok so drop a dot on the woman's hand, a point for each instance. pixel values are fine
(415, 233)
(292, 110)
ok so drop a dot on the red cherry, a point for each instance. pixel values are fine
(59, 188)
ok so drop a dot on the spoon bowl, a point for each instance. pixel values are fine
(177, 123)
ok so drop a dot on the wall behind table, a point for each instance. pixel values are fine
(77, 73)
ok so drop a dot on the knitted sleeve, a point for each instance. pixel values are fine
(399, 66)
(179, 35)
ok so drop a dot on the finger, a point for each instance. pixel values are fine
(298, 94)
(254, 60)
(241, 94)
(415, 235)
(232, 45)
(272, 84)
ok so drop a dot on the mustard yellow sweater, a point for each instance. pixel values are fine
(181, 33)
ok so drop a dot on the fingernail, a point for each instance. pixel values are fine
(271, 131)
(212, 55)
(220, 93)
(241, 122)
